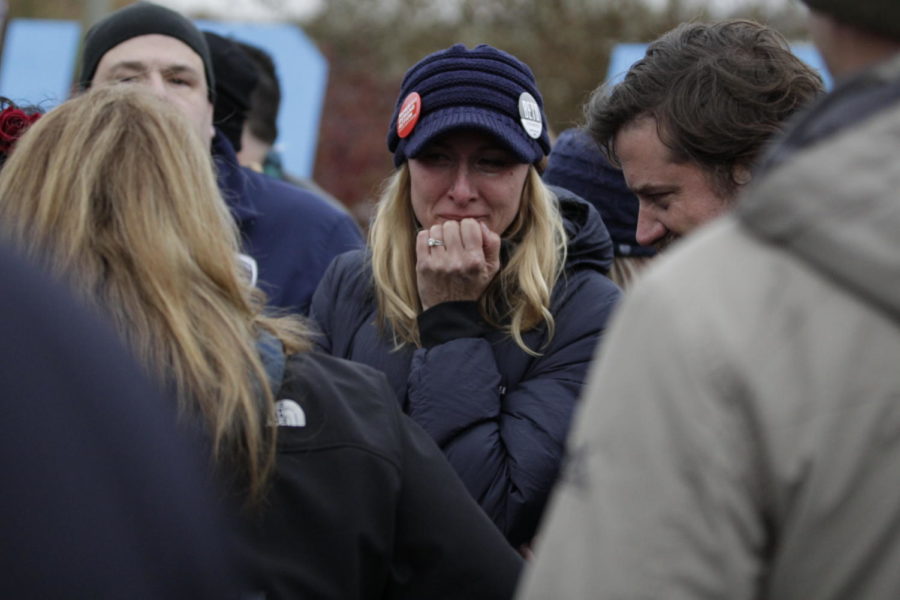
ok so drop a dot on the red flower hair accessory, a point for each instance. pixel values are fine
(13, 123)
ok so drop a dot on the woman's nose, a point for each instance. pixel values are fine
(463, 188)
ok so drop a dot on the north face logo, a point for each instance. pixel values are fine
(289, 414)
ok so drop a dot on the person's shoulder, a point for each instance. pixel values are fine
(345, 292)
(345, 404)
(274, 194)
(720, 283)
(353, 265)
(709, 257)
(323, 370)
(585, 292)
(585, 287)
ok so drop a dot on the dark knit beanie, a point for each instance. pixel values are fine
(141, 18)
(236, 77)
(577, 164)
(483, 88)
(878, 16)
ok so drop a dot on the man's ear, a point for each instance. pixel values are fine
(741, 175)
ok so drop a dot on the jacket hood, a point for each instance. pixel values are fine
(835, 205)
(589, 245)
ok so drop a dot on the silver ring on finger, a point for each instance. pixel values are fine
(432, 242)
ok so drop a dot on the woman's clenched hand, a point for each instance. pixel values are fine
(462, 267)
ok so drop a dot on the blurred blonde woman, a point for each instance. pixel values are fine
(115, 193)
(484, 295)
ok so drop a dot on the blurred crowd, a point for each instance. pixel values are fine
(656, 355)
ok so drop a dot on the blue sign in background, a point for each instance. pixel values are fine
(625, 55)
(303, 74)
(39, 61)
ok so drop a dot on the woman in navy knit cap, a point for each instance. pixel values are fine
(482, 296)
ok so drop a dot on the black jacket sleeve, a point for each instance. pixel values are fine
(446, 545)
(451, 320)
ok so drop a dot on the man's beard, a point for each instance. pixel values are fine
(665, 241)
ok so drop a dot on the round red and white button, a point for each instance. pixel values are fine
(409, 114)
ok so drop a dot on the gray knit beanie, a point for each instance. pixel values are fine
(878, 16)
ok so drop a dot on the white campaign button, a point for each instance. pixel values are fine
(289, 414)
(530, 115)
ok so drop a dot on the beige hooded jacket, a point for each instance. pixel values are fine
(740, 434)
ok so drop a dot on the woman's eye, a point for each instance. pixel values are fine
(434, 158)
(494, 163)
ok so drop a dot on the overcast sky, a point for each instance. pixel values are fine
(245, 9)
(294, 9)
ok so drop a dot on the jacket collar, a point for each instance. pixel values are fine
(233, 182)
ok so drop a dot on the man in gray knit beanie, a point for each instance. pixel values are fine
(876, 16)
(854, 34)
(740, 433)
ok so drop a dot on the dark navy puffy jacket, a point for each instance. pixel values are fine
(500, 415)
(292, 233)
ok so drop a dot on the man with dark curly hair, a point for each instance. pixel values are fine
(689, 120)
(740, 432)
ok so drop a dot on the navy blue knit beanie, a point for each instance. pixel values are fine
(483, 88)
(577, 164)
(141, 18)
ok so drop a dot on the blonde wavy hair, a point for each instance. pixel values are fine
(518, 298)
(115, 193)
